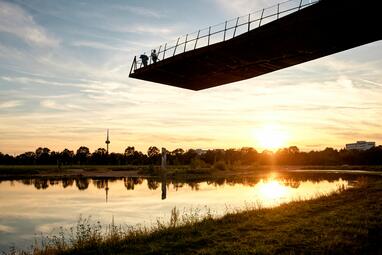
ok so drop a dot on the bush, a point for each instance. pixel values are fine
(220, 165)
(197, 163)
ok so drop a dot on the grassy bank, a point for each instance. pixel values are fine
(345, 223)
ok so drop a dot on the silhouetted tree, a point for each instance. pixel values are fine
(99, 156)
(27, 158)
(82, 155)
(246, 156)
(129, 151)
(66, 157)
(153, 154)
(129, 155)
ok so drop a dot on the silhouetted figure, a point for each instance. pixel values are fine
(154, 56)
(144, 59)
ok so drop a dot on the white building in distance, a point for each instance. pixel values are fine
(360, 145)
(200, 151)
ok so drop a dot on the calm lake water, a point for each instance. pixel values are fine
(30, 207)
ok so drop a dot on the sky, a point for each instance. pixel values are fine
(64, 69)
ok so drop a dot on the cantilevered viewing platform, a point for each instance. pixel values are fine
(271, 39)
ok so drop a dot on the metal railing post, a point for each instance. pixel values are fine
(225, 30)
(234, 31)
(176, 46)
(209, 34)
(134, 64)
(299, 7)
(164, 51)
(196, 41)
(278, 11)
(261, 18)
(160, 47)
(249, 22)
(185, 43)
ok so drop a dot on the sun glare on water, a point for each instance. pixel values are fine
(270, 137)
(270, 190)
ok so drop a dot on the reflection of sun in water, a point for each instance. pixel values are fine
(270, 137)
(270, 190)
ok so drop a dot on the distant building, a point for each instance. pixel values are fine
(200, 151)
(360, 145)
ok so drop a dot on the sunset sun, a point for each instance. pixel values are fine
(270, 137)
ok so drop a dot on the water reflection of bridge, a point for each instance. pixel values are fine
(284, 35)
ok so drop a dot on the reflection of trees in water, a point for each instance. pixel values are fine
(152, 184)
(41, 183)
(82, 183)
(100, 183)
(194, 185)
(27, 181)
(177, 185)
(291, 183)
(291, 179)
(53, 182)
(67, 182)
(131, 182)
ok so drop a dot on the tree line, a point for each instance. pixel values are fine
(244, 156)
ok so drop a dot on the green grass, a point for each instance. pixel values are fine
(346, 223)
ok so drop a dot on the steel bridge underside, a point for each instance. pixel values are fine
(327, 27)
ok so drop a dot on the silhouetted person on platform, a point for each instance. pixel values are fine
(154, 56)
(144, 59)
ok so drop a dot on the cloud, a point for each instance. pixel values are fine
(53, 105)
(375, 84)
(10, 104)
(99, 45)
(241, 7)
(145, 29)
(138, 10)
(30, 80)
(14, 20)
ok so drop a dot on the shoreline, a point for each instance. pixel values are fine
(173, 172)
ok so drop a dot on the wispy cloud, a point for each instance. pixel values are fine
(54, 105)
(14, 20)
(138, 10)
(241, 7)
(99, 45)
(32, 80)
(146, 29)
(10, 104)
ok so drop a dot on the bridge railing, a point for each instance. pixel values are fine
(224, 31)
